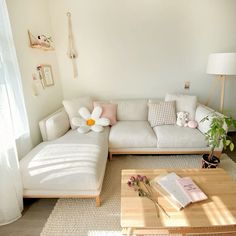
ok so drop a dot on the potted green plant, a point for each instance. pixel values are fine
(217, 135)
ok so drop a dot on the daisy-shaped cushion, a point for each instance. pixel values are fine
(90, 121)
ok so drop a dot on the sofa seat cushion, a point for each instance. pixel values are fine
(173, 136)
(73, 162)
(132, 134)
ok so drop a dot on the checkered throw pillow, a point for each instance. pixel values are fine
(161, 113)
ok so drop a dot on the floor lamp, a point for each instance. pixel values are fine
(221, 64)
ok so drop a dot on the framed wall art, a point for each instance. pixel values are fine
(45, 73)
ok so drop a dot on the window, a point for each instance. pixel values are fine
(11, 94)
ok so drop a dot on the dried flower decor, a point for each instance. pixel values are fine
(142, 186)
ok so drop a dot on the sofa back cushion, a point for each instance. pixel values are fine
(72, 107)
(154, 100)
(108, 110)
(132, 109)
(185, 103)
(55, 125)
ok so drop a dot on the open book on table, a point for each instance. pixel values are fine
(180, 192)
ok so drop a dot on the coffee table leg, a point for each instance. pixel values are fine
(130, 231)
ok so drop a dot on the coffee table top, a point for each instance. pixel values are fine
(218, 210)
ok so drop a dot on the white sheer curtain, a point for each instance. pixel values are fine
(13, 124)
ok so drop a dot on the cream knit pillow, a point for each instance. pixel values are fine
(161, 113)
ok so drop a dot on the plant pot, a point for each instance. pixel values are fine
(213, 163)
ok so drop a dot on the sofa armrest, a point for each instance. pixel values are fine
(201, 112)
(54, 125)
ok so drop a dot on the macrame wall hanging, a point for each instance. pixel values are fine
(72, 54)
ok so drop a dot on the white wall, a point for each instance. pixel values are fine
(144, 48)
(33, 15)
(127, 48)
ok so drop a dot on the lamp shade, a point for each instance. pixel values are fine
(221, 64)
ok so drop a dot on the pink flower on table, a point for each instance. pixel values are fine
(139, 178)
(129, 183)
(142, 185)
(132, 178)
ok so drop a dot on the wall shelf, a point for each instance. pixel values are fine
(38, 44)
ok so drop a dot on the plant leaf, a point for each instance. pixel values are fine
(228, 121)
(228, 142)
(231, 146)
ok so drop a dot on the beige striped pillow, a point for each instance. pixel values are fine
(161, 113)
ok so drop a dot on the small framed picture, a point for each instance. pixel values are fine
(46, 74)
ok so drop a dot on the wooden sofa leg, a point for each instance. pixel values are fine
(110, 156)
(98, 201)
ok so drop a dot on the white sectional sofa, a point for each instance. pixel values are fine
(70, 164)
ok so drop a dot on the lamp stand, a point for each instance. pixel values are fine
(211, 92)
(222, 78)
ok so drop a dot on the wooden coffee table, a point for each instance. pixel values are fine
(217, 214)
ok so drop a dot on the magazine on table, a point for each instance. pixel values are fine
(180, 192)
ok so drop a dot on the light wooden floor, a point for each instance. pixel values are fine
(37, 211)
(34, 217)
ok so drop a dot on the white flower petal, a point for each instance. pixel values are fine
(76, 121)
(83, 129)
(97, 128)
(97, 111)
(84, 112)
(102, 121)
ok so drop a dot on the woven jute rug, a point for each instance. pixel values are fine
(80, 217)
